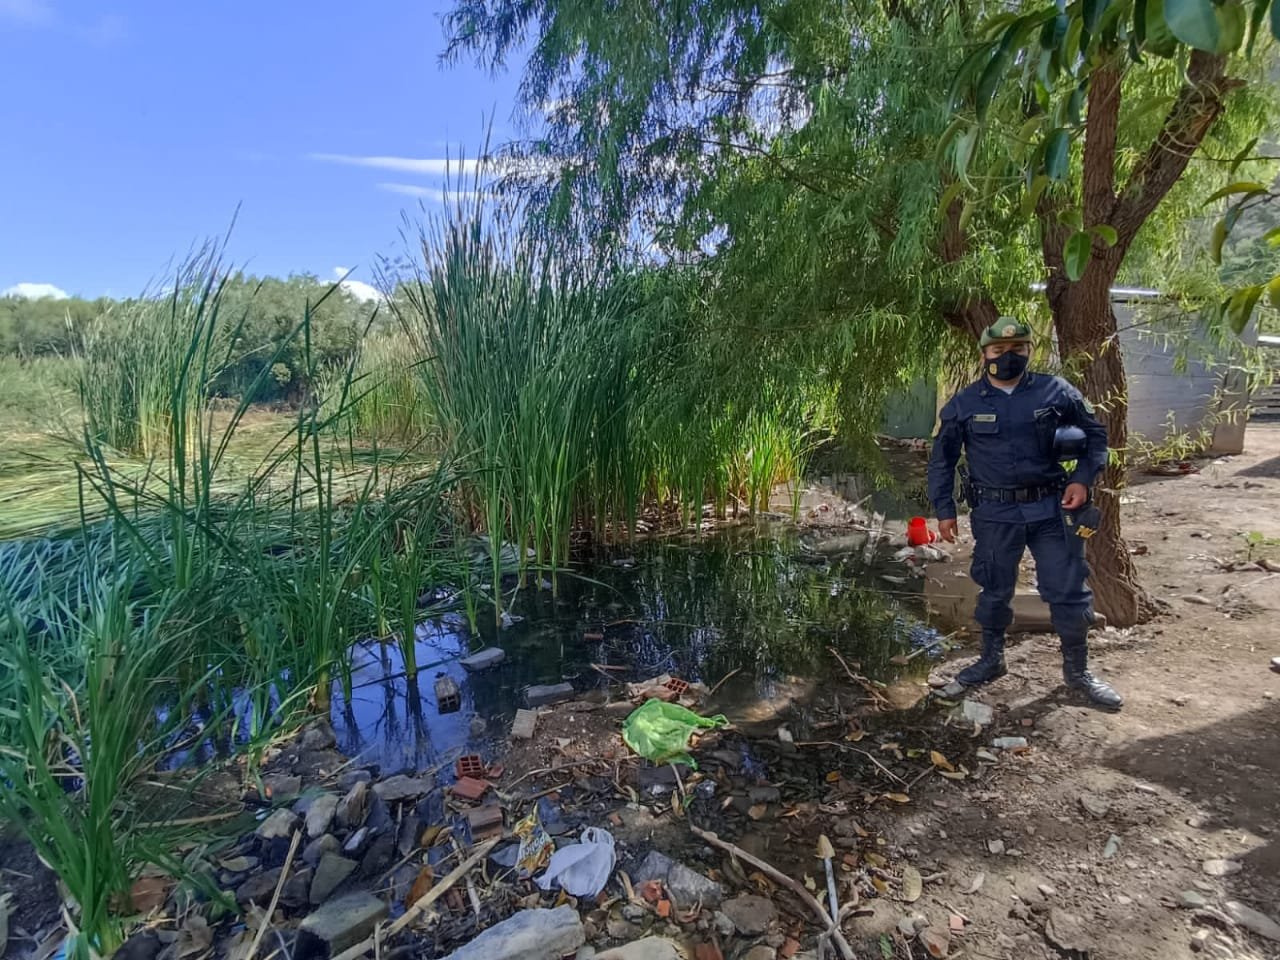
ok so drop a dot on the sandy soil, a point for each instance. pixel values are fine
(1188, 772)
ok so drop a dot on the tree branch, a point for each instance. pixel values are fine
(1199, 102)
(974, 311)
(1099, 173)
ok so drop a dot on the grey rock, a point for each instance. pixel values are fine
(258, 888)
(320, 814)
(239, 864)
(400, 788)
(1221, 868)
(353, 807)
(528, 935)
(881, 920)
(294, 895)
(378, 818)
(356, 842)
(1068, 931)
(953, 689)
(762, 794)
(330, 873)
(145, 945)
(977, 712)
(760, 952)
(525, 724)
(541, 695)
(1094, 805)
(486, 658)
(1112, 847)
(724, 926)
(314, 851)
(279, 824)
(380, 855)
(352, 777)
(1192, 900)
(1252, 920)
(282, 786)
(338, 924)
(1009, 743)
(408, 834)
(478, 726)
(318, 736)
(619, 928)
(687, 886)
(751, 915)
(650, 948)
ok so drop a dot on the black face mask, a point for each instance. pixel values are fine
(1007, 366)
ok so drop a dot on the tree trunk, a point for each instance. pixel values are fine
(1086, 327)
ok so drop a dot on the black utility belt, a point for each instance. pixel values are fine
(1013, 494)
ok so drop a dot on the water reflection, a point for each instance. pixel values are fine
(764, 600)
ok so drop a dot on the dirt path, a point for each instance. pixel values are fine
(1189, 771)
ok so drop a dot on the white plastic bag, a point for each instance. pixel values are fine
(582, 869)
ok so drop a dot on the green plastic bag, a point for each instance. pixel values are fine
(660, 731)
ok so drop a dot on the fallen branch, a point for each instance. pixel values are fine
(420, 905)
(829, 926)
(555, 769)
(723, 680)
(860, 680)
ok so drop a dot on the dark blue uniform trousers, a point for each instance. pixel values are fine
(1061, 574)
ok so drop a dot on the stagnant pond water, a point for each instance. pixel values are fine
(766, 600)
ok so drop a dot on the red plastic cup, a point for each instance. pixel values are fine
(918, 532)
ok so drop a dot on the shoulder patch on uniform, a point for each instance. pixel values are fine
(985, 417)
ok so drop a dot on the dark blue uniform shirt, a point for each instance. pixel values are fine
(1008, 443)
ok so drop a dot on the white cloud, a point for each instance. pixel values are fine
(35, 291)
(364, 292)
(31, 12)
(434, 194)
(425, 166)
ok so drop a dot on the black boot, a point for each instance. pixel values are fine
(990, 666)
(1075, 671)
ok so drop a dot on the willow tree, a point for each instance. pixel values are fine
(791, 152)
(1060, 89)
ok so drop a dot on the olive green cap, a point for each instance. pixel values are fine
(1005, 330)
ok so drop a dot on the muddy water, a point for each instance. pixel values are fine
(764, 600)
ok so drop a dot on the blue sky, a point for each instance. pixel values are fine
(133, 129)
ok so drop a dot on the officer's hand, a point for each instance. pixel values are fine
(1075, 496)
(947, 530)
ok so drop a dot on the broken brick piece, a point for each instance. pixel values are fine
(677, 686)
(469, 788)
(485, 821)
(469, 766)
(525, 723)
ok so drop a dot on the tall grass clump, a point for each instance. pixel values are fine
(137, 361)
(386, 400)
(80, 732)
(527, 370)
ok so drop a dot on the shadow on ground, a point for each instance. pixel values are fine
(1230, 768)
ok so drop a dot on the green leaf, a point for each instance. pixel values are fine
(1140, 22)
(1159, 38)
(1217, 239)
(1250, 187)
(1092, 15)
(1075, 254)
(1273, 291)
(1241, 157)
(948, 198)
(956, 125)
(1075, 104)
(1231, 22)
(1072, 218)
(965, 144)
(964, 76)
(1194, 23)
(1053, 31)
(966, 214)
(1255, 25)
(1032, 196)
(1205, 25)
(1071, 45)
(1240, 307)
(1057, 154)
(989, 81)
(1272, 236)
(1106, 233)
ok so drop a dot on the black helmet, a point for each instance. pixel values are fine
(1069, 443)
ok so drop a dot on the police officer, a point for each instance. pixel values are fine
(1021, 496)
